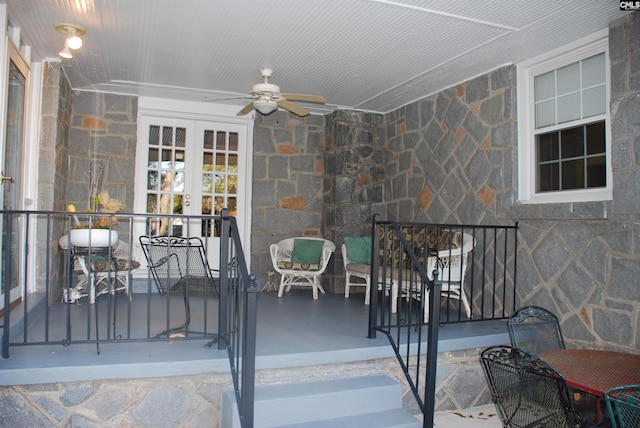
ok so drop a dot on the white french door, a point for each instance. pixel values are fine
(193, 167)
(11, 161)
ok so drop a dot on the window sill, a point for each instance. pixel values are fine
(598, 210)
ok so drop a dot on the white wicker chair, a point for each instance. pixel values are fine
(358, 271)
(452, 266)
(299, 273)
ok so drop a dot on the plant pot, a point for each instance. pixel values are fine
(93, 237)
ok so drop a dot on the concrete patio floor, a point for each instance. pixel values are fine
(294, 330)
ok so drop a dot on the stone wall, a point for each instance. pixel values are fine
(288, 167)
(354, 181)
(55, 115)
(451, 154)
(103, 130)
(195, 401)
(53, 163)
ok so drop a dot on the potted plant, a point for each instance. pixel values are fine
(97, 232)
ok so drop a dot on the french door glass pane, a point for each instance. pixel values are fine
(166, 177)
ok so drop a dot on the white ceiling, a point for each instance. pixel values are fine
(372, 55)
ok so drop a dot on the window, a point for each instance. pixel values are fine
(563, 149)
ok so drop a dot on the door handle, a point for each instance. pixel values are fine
(6, 178)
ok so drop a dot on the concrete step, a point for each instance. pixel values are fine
(349, 402)
(396, 418)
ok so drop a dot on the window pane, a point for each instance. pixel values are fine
(568, 108)
(221, 140)
(153, 157)
(568, 78)
(548, 178)
(232, 180)
(167, 156)
(233, 141)
(595, 138)
(207, 162)
(572, 142)
(152, 181)
(573, 174)
(167, 136)
(544, 85)
(178, 182)
(152, 203)
(548, 148)
(593, 71)
(177, 204)
(594, 101)
(181, 137)
(207, 183)
(208, 140)
(154, 135)
(546, 114)
(179, 159)
(596, 172)
(207, 203)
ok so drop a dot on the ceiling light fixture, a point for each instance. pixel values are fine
(73, 40)
(65, 52)
(265, 106)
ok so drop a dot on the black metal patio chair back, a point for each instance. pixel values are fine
(526, 391)
(623, 404)
(176, 262)
(535, 330)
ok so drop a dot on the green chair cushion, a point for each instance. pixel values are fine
(358, 249)
(307, 251)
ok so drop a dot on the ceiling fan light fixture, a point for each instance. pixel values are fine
(265, 106)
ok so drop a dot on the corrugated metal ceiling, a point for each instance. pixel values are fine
(359, 54)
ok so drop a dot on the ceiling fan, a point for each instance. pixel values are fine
(267, 98)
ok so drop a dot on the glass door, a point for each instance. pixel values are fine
(193, 168)
(11, 151)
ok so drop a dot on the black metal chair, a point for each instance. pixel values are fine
(535, 330)
(179, 264)
(527, 391)
(623, 404)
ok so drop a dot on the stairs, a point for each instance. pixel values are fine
(369, 401)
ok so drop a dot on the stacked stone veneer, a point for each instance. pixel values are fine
(288, 174)
(103, 130)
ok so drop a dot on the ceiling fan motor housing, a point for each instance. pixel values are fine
(266, 89)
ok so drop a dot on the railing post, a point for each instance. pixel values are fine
(432, 351)
(225, 226)
(373, 292)
(250, 321)
(6, 279)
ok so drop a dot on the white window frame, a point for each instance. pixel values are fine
(526, 71)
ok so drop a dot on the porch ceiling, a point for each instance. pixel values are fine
(372, 55)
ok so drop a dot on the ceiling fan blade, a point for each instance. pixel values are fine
(235, 97)
(304, 97)
(293, 108)
(245, 110)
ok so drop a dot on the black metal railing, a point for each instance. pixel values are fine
(58, 290)
(428, 275)
(239, 318)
